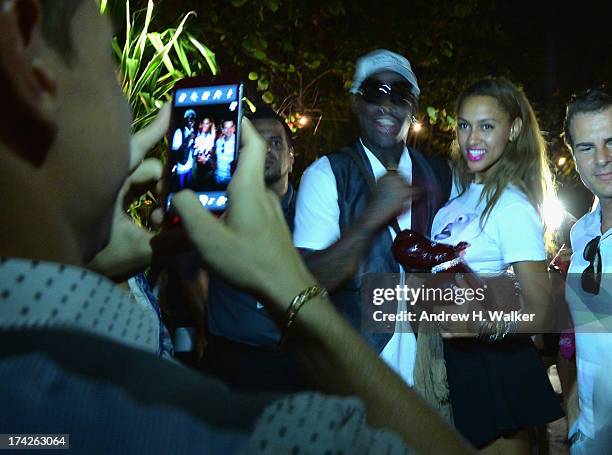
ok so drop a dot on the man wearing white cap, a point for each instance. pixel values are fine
(381, 169)
(183, 144)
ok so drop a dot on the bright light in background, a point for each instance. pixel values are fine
(553, 212)
(562, 161)
(303, 120)
(417, 126)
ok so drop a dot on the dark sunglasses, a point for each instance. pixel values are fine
(374, 91)
(591, 277)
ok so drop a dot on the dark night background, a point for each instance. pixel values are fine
(303, 55)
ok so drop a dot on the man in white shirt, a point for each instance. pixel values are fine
(588, 133)
(183, 146)
(334, 191)
(224, 152)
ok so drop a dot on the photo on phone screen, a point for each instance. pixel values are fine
(203, 142)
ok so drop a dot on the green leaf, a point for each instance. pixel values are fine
(248, 44)
(146, 100)
(259, 54)
(158, 44)
(116, 48)
(132, 67)
(253, 76)
(128, 37)
(179, 48)
(140, 44)
(163, 90)
(208, 55)
(273, 5)
(238, 3)
(263, 84)
(248, 102)
(432, 112)
(268, 97)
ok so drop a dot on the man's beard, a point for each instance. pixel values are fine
(272, 177)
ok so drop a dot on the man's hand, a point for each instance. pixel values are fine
(340, 261)
(251, 247)
(128, 251)
(391, 197)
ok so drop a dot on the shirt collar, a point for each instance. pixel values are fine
(404, 166)
(592, 222)
(36, 294)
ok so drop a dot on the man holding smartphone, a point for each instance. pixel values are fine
(77, 355)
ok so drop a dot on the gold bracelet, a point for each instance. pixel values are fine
(299, 301)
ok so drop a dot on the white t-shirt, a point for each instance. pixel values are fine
(317, 216)
(513, 231)
(204, 142)
(225, 155)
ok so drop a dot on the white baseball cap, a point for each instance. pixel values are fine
(383, 60)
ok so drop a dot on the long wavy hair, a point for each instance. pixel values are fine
(524, 162)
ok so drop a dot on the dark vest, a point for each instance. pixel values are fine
(431, 174)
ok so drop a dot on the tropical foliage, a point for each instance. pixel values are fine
(151, 61)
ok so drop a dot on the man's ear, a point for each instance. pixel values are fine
(29, 126)
(291, 160)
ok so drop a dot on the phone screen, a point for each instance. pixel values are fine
(203, 142)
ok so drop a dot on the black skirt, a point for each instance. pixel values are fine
(497, 389)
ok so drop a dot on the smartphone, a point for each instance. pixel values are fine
(204, 139)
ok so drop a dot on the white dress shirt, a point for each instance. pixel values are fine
(592, 316)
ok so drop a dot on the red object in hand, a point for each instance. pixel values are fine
(416, 252)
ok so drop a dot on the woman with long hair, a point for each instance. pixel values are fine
(498, 386)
